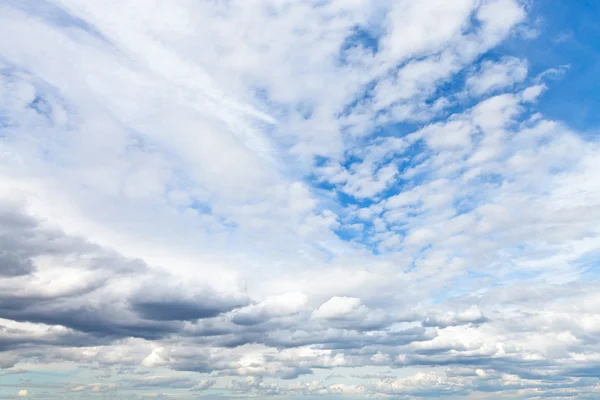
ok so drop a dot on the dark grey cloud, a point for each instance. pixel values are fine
(88, 306)
(98, 322)
(12, 264)
(160, 302)
(249, 319)
(177, 310)
(14, 260)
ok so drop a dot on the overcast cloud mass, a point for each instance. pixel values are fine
(297, 199)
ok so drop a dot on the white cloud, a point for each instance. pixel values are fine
(497, 75)
(249, 197)
(338, 307)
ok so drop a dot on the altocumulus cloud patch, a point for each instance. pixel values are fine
(295, 199)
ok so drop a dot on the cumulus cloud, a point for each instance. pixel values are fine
(473, 315)
(339, 307)
(497, 75)
(271, 307)
(204, 384)
(334, 198)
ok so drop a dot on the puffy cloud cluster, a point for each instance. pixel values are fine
(281, 198)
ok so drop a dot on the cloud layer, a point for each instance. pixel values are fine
(279, 198)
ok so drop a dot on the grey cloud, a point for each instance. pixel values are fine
(16, 371)
(172, 313)
(12, 264)
(11, 339)
(248, 320)
(162, 303)
(203, 385)
(89, 306)
(177, 310)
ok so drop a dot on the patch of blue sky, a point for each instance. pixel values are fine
(41, 106)
(4, 123)
(201, 207)
(362, 38)
(452, 90)
(348, 203)
(349, 232)
(46, 97)
(359, 231)
(322, 185)
(351, 158)
(465, 203)
(265, 101)
(360, 100)
(474, 278)
(588, 265)
(396, 129)
(569, 36)
(305, 109)
(534, 50)
(482, 184)
(320, 161)
(346, 199)
(404, 184)
(182, 183)
(459, 287)
(351, 221)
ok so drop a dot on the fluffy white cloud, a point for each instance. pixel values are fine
(337, 307)
(497, 75)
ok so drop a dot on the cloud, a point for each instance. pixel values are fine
(497, 75)
(81, 279)
(335, 198)
(338, 307)
(271, 307)
(167, 304)
(23, 393)
(17, 371)
(473, 315)
(203, 385)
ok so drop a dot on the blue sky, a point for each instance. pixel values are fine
(282, 199)
(570, 38)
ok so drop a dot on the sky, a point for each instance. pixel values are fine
(332, 199)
